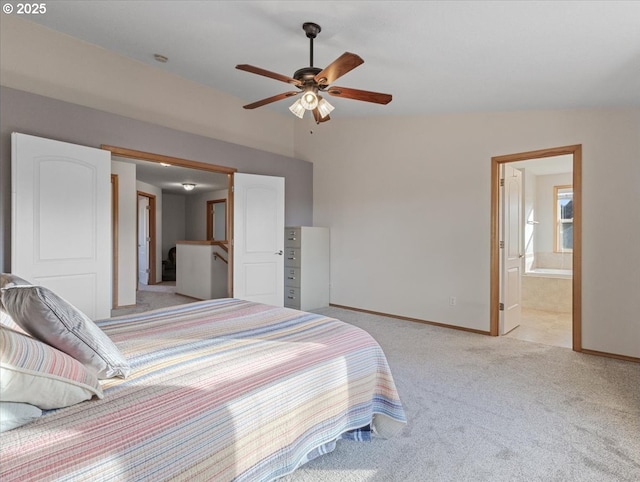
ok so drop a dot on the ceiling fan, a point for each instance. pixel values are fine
(312, 82)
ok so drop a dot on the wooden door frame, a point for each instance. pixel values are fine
(176, 161)
(210, 226)
(152, 237)
(115, 213)
(496, 162)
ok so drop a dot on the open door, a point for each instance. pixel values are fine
(258, 223)
(575, 151)
(511, 249)
(61, 220)
(144, 240)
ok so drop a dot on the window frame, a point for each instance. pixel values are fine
(557, 241)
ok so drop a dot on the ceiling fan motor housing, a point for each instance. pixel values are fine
(311, 29)
(306, 75)
(309, 81)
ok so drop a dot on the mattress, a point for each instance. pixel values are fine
(219, 390)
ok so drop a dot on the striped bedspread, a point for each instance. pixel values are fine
(219, 390)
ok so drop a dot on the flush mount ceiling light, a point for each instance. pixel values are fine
(188, 186)
(165, 164)
(312, 81)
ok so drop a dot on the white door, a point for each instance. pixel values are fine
(61, 220)
(511, 255)
(258, 225)
(143, 240)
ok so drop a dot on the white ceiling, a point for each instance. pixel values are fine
(432, 56)
(547, 165)
(171, 178)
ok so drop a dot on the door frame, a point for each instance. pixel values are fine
(210, 225)
(151, 279)
(494, 290)
(176, 161)
(115, 213)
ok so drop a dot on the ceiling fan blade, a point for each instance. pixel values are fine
(356, 94)
(267, 73)
(336, 69)
(316, 116)
(269, 100)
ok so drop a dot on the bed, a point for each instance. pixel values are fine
(217, 390)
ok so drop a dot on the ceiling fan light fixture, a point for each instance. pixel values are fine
(297, 109)
(309, 100)
(324, 108)
(311, 81)
(188, 186)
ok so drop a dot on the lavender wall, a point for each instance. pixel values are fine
(45, 117)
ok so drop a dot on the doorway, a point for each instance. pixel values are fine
(184, 164)
(501, 285)
(217, 220)
(146, 222)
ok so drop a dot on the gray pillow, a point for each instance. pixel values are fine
(7, 280)
(51, 319)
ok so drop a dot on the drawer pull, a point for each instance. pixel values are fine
(291, 297)
(291, 258)
(291, 277)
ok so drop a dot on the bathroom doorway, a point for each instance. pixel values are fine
(545, 293)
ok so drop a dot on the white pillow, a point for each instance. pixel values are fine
(14, 415)
(36, 373)
(48, 317)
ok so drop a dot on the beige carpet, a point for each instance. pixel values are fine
(152, 300)
(493, 409)
(488, 409)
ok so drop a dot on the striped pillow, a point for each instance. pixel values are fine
(7, 321)
(36, 373)
(49, 318)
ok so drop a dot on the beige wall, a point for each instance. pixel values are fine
(39, 60)
(127, 232)
(408, 203)
(407, 199)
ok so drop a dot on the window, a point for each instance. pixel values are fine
(563, 214)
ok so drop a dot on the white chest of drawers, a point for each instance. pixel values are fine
(306, 267)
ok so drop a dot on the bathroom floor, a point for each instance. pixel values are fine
(548, 328)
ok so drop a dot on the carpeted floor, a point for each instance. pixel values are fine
(481, 408)
(493, 409)
(147, 300)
